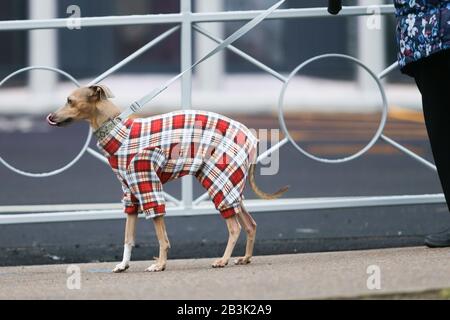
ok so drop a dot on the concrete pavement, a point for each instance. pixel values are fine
(301, 276)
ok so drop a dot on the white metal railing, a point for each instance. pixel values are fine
(186, 21)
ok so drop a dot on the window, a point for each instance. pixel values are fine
(283, 44)
(13, 54)
(89, 51)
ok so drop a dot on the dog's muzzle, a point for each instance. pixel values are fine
(52, 122)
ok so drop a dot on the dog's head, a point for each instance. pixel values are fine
(81, 104)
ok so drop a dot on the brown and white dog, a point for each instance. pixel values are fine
(144, 165)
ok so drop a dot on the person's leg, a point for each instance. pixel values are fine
(433, 80)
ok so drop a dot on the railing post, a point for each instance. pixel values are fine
(43, 51)
(210, 73)
(186, 86)
(371, 49)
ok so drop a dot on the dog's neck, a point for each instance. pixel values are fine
(104, 110)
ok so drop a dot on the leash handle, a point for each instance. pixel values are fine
(334, 6)
(137, 105)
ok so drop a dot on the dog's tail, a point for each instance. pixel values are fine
(258, 191)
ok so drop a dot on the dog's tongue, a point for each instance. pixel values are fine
(50, 121)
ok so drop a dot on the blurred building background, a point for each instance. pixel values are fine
(226, 82)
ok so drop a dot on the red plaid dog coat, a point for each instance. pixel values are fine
(146, 153)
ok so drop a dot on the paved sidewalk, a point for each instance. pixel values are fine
(301, 276)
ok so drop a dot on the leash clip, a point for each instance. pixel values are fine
(135, 106)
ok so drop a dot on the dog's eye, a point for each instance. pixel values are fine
(69, 101)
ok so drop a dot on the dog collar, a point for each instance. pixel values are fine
(106, 128)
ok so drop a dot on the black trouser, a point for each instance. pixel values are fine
(432, 76)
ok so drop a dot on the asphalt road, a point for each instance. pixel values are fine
(301, 276)
(31, 145)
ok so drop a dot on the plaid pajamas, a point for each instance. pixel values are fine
(146, 153)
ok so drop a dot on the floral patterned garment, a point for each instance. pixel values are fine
(423, 28)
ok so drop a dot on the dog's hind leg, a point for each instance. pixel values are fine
(249, 225)
(130, 236)
(234, 229)
(164, 245)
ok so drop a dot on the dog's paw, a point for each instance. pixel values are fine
(121, 267)
(220, 263)
(242, 260)
(156, 268)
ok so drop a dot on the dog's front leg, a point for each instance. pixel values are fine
(130, 236)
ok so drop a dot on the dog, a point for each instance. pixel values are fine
(145, 153)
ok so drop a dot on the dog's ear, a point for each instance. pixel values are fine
(101, 92)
